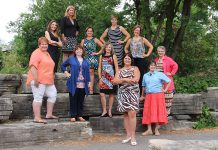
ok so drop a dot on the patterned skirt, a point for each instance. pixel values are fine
(154, 109)
(168, 101)
(128, 98)
(70, 44)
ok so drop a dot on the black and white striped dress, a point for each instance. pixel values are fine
(128, 94)
(114, 36)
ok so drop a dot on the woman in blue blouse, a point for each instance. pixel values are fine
(77, 82)
(154, 106)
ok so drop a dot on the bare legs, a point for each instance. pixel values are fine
(92, 80)
(130, 127)
(103, 103)
(50, 107)
(37, 110)
(149, 130)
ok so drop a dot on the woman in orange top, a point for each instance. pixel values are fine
(41, 79)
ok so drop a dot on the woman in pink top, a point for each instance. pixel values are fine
(169, 67)
(41, 79)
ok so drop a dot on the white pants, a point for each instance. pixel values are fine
(43, 89)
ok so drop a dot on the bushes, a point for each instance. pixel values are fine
(11, 64)
(206, 120)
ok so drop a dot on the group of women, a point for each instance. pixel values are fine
(121, 70)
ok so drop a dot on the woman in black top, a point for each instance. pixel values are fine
(69, 31)
(54, 42)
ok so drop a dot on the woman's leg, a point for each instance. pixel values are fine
(126, 125)
(156, 130)
(80, 99)
(148, 131)
(92, 79)
(51, 93)
(73, 104)
(132, 125)
(103, 104)
(111, 101)
(37, 110)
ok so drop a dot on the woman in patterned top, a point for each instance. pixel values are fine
(90, 45)
(107, 68)
(114, 34)
(169, 67)
(69, 31)
(137, 48)
(128, 96)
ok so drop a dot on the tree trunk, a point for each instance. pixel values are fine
(138, 10)
(169, 30)
(147, 18)
(184, 22)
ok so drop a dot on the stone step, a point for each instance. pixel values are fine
(165, 144)
(215, 114)
(26, 132)
(115, 124)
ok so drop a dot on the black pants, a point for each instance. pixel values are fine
(76, 103)
(55, 55)
(142, 64)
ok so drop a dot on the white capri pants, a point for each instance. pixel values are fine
(43, 89)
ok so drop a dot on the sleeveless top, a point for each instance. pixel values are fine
(114, 36)
(107, 72)
(137, 48)
(90, 47)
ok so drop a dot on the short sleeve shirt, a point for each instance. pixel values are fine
(153, 82)
(44, 65)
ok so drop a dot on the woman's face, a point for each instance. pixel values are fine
(136, 31)
(53, 26)
(114, 21)
(108, 49)
(71, 12)
(152, 67)
(79, 52)
(43, 46)
(127, 60)
(89, 32)
(161, 52)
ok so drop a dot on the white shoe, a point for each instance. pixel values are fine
(126, 140)
(134, 143)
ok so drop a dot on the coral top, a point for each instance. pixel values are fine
(169, 65)
(44, 65)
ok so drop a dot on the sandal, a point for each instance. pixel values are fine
(81, 119)
(72, 120)
(40, 121)
(51, 117)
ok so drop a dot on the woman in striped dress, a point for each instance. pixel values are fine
(115, 33)
(169, 67)
(128, 96)
(90, 44)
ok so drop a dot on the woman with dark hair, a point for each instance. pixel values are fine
(90, 44)
(154, 111)
(128, 96)
(115, 33)
(54, 42)
(77, 82)
(138, 46)
(108, 66)
(169, 67)
(69, 31)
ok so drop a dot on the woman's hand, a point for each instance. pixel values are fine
(168, 74)
(68, 75)
(145, 55)
(142, 98)
(94, 54)
(36, 83)
(120, 42)
(64, 40)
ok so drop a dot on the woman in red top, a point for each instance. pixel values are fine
(169, 67)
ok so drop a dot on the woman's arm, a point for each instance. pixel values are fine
(126, 48)
(51, 42)
(103, 36)
(82, 43)
(34, 72)
(77, 28)
(100, 44)
(150, 47)
(59, 43)
(123, 30)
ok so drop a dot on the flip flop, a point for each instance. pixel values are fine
(51, 117)
(40, 121)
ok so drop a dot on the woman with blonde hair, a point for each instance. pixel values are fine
(69, 31)
(54, 42)
(108, 66)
